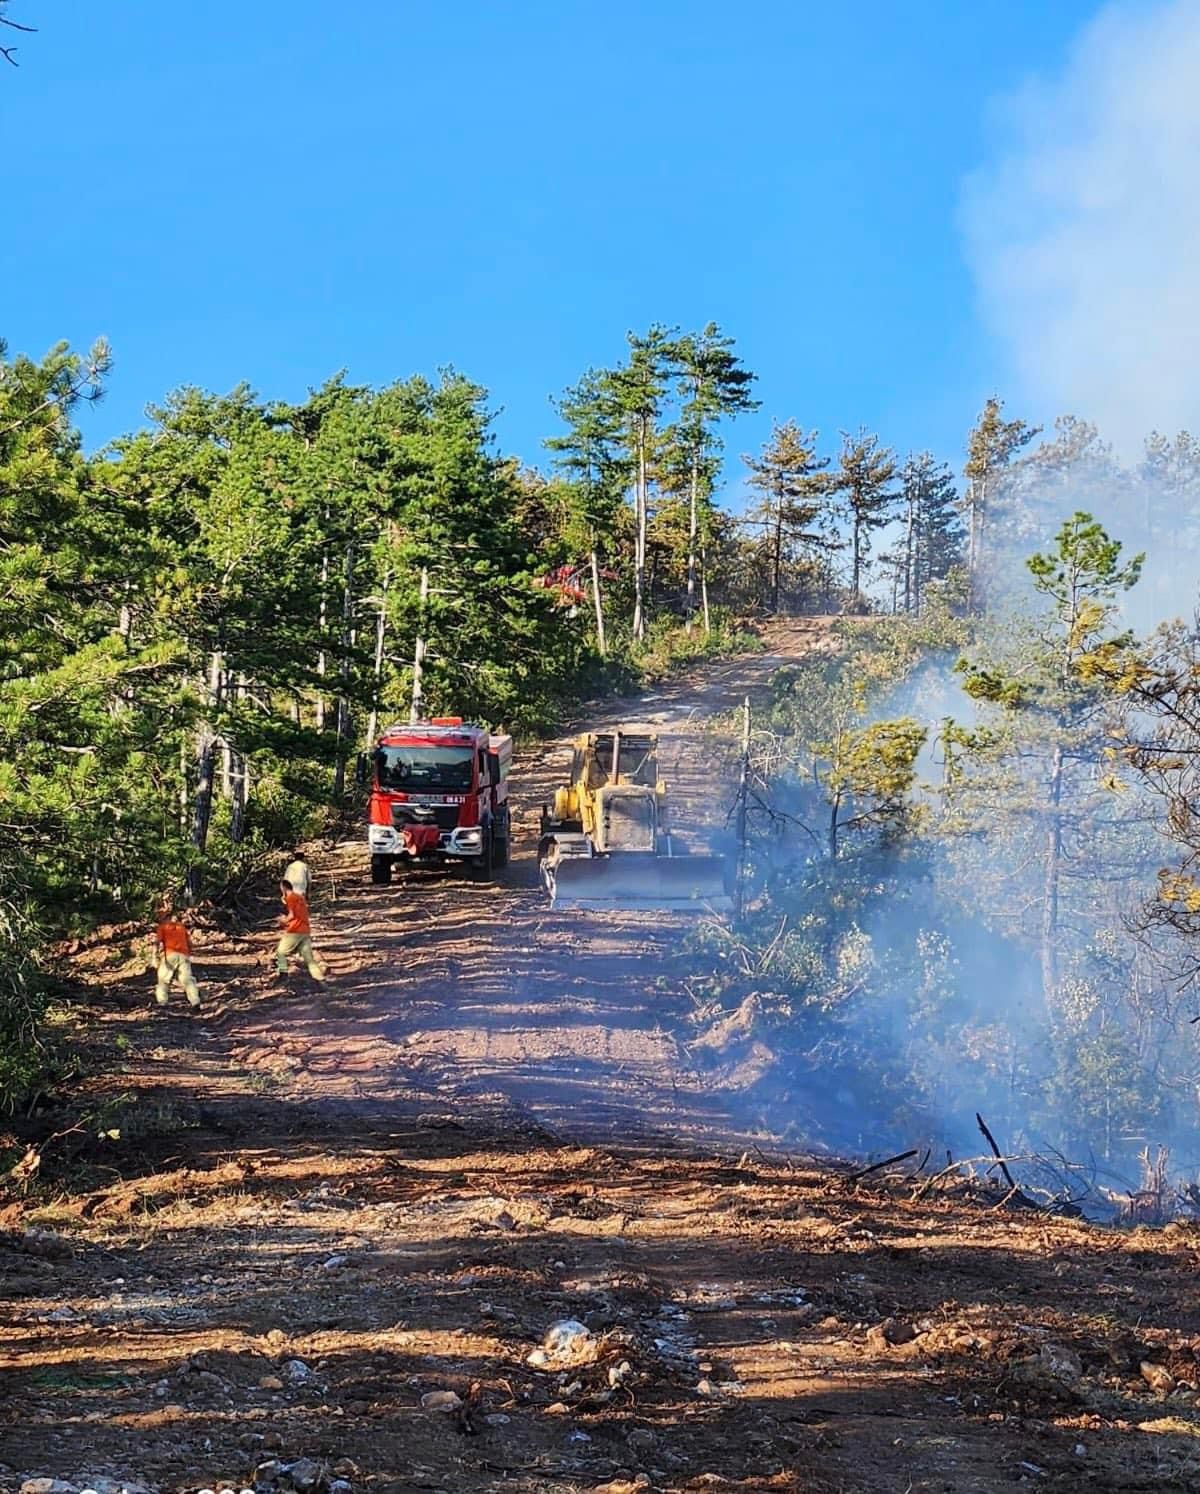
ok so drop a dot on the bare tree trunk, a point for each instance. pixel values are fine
(343, 700)
(185, 797)
(598, 600)
(909, 536)
(377, 668)
(414, 713)
(975, 540)
(777, 559)
(856, 574)
(1050, 885)
(639, 554)
(704, 590)
(239, 786)
(206, 743)
(693, 531)
(322, 661)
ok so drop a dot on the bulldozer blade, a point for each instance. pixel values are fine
(690, 884)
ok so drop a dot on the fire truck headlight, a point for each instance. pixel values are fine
(381, 837)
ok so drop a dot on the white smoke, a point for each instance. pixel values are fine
(1083, 230)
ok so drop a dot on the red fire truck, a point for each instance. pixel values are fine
(439, 793)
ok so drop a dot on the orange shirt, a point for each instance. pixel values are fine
(174, 938)
(297, 914)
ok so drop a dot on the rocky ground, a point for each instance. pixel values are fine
(478, 1217)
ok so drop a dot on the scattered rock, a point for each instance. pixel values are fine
(268, 1472)
(497, 1419)
(47, 1486)
(63, 1315)
(305, 1474)
(441, 1400)
(341, 1486)
(1157, 1377)
(568, 1344)
(270, 1382)
(296, 1372)
(1061, 1363)
(276, 1338)
(334, 1262)
(620, 1374)
(889, 1335)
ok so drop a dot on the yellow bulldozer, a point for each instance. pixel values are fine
(604, 840)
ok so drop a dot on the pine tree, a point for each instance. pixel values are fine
(712, 384)
(1168, 487)
(863, 479)
(638, 389)
(795, 488)
(591, 454)
(932, 540)
(1051, 701)
(992, 445)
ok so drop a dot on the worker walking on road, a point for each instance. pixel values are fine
(297, 934)
(173, 944)
(297, 874)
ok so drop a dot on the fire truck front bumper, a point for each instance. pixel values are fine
(383, 840)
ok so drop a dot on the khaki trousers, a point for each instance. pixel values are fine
(298, 944)
(176, 967)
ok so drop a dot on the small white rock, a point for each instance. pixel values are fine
(441, 1400)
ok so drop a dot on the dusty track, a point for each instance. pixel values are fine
(490, 1122)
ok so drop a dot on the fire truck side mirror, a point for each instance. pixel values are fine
(493, 759)
(362, 769)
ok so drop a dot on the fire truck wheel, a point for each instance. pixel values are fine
(381, 870)
(482, 869)
(500, 851)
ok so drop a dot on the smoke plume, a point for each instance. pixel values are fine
(1083, 227)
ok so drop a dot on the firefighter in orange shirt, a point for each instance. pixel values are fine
(173, 945)
(297, 935)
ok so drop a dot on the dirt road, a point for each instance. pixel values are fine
(323, 1208)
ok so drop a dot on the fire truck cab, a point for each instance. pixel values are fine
(439, 793)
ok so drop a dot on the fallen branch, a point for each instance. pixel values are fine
(958, 1167)
(996, 1152)
(863, 1172)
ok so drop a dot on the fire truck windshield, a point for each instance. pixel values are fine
(425, 769)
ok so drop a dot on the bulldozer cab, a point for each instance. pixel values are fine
(618, 757)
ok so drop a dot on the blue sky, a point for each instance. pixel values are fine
(272, 191)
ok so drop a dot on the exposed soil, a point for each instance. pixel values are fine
(325, 1205)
